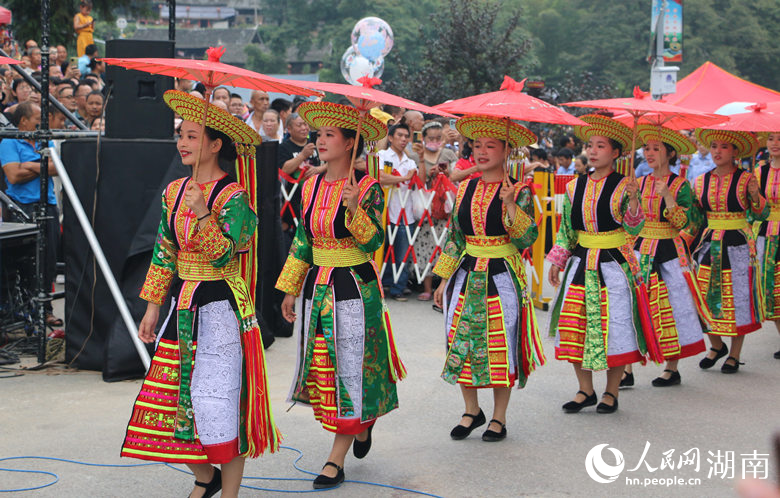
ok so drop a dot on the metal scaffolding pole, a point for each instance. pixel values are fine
(43, 294)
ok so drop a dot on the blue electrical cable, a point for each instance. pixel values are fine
(150, 464)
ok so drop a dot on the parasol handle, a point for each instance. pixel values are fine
(631, 172)
(351, 175)
(506, 155)
(202, 133)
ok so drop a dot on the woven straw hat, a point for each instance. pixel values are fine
(319, 114)
(602, 126)
(677, 140)
(515, 135)
(746, 143)
(190, 108)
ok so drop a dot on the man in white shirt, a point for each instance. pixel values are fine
(701, 162)
(403, 169)
(260, 103)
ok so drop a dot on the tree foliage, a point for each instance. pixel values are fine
(469, 51)
(450, 48)
(27, 18)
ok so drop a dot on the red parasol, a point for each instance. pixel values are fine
(212, 74)
(5, 18)
(759, 118)
(679, 122)
(641, 109)
(365, 97)
(8, 60)
(511, 103)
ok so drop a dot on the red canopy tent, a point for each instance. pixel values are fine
(710, 87)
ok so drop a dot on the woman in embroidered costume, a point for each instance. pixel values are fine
(205, 399)
(599, 317)
(768, 242)
(490, 325)
(669, 206)
(347, 361)
(728, 273)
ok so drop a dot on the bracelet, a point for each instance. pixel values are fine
(204, 216)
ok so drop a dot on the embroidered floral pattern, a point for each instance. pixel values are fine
(158, 280)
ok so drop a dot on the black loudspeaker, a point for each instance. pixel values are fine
(135, 107)
(271, 253)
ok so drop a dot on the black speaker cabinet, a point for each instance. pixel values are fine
(135, 107)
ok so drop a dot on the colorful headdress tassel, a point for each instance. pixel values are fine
(246, 174)
(372, 162)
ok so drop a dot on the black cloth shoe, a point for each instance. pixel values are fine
(361, 448)
(627, 380)
(574, 407)
(729, 368)
(706, 363)
(605, 408)
(212, 486)
(324, 482)
(777, 355)
(673, 379)
(493, 436)
(462, 432)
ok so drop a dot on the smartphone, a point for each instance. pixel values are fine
(417, 137)
(452, 123)
(74, 61)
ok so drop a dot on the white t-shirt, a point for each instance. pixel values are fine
(402, 166)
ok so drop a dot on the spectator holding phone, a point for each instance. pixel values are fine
(297, 160)
(435, 159)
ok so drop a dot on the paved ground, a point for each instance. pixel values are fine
(78, 416)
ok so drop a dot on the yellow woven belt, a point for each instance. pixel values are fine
(774, 214)
(727, 221)
(491, 251)
(602, 240)
(339, 257)
(194, 266)
(658, 230)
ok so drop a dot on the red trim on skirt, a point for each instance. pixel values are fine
(222, 452)
(689, 350)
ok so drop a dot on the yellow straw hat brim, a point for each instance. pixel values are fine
(745, 142)
(602, 126)
(190, 108)
(319, 114)
(515, 135)
(677, 140)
